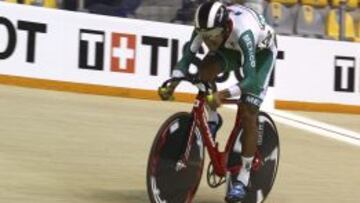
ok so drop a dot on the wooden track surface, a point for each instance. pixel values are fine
(76, 148)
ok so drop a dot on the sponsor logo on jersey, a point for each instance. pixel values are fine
(250, 47)
(253, 100)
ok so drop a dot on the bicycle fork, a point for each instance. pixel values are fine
(182, 163)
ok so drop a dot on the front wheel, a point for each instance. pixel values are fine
(165, 182)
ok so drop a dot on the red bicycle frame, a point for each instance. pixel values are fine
(219, 159)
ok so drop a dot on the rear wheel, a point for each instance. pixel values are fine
(266, 160)
(164, 182)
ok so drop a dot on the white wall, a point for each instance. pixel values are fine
(306, 73)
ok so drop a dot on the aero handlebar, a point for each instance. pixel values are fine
(203, 87)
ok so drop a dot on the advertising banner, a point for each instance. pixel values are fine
(75, 51)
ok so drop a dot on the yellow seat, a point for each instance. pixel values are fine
(50, 4)
(276, 10)
(308, 14)
(315, 3)
(45, 3)
(309, 22)
(11, 1)
(333, 28)
(286, 2)
(351, 4)
(358, 32)
(29, 2)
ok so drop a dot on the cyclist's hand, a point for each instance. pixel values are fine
(214, 100)
(166, 93)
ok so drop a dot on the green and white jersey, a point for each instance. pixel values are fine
(249, 36)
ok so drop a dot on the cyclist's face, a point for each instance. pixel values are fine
(213, 38)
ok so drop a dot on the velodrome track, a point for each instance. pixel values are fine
(77, 148)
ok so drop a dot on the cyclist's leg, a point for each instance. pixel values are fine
(237, 188)
(249, 108)
(209, 68)
(214, 118)
(248, 115)
(214, 121)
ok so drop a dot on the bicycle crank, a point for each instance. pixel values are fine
(214, 180)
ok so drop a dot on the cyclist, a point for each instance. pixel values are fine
(236, 36)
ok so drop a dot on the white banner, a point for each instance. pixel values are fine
(92, 49)
(320, 71)
(86, 48)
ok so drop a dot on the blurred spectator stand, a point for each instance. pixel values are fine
(185, 15)
(281, 16)
(158, 10)
(122, 8)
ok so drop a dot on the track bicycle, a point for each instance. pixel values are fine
(176, 160)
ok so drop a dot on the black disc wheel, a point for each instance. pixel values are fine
(264, 172)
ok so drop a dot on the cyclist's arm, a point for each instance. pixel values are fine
(182, 67)
(247, 44)
(248, 84)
